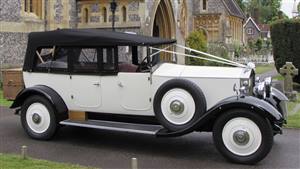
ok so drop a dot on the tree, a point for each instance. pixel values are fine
(196, 40)
(242, 5)
(299, 8)
(285, 36)
(258, 44)
(263, 11)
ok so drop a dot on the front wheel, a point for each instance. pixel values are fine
(38, 118)
(242, 136)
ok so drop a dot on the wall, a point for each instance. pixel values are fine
(15, 25)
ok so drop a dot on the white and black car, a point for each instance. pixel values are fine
(71, 71)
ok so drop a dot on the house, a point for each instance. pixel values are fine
(265, 31)
(251, 31)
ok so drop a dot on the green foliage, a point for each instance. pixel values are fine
(299, 7)
(196, 40)
(16, 162)
(217, 50)
(251, 46)
(286, 42)
(4, 102)
(258, 44)
(242, 5)
(294, 119)
(238, 49)
(263, 11)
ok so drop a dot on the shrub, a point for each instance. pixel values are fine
(217, 50)
(285, 35)
(196, 40)
(258, 44)
(238, 49)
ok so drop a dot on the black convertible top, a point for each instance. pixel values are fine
(92, 37)
(85, 38)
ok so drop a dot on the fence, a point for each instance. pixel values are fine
(258, 59)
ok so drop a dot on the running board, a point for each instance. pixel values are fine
(115, 126)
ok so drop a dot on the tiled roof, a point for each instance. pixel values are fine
(264, 27)
(233, 8)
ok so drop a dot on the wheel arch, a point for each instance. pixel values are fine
(261, 107)
(46, 92)
(206, 122)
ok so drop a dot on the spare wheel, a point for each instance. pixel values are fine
(178, 103)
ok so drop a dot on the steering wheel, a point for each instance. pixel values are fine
(143, 66)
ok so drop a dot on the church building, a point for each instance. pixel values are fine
(220, 20)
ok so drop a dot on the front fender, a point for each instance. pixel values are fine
(248, 102)
(279, 95)
(279, 100)
(235, 102)
(47, 92)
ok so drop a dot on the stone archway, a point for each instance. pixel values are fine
(163, 22)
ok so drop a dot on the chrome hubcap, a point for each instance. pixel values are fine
(36, 118)
(177, 107)
(241, 137)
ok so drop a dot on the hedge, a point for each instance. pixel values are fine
(285, 35)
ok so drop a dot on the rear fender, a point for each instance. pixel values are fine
(52, 96)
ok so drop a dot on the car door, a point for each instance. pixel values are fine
(135, 93)
(85, 88)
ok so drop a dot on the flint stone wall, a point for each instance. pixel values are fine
(13, 48)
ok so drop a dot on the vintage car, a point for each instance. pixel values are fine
(80, 78)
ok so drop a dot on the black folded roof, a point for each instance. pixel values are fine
(85, 38)
(92, 37)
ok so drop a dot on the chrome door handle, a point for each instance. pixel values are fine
(97, 84)
(120, 84)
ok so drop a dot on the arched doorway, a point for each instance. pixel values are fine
(163, 23)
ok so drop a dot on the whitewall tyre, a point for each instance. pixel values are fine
(178, 103)
(38, 118)
(243, 136)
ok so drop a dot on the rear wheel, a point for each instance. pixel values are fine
(38, 118)
(243, 136)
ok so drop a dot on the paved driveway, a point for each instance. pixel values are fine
(114, 150)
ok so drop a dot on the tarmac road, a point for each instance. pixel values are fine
(114, 150)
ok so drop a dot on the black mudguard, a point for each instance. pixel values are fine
(53, 97)
(278, 99)
(259, 106)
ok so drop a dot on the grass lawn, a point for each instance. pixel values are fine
(4, 102)
(260, 69)
(278, 78)
(16, 162)
(294, 120)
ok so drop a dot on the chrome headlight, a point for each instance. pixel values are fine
(245, 85)
(268, 86)
(263, 89)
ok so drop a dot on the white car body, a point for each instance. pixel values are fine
(132, 93)
(77, 78)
